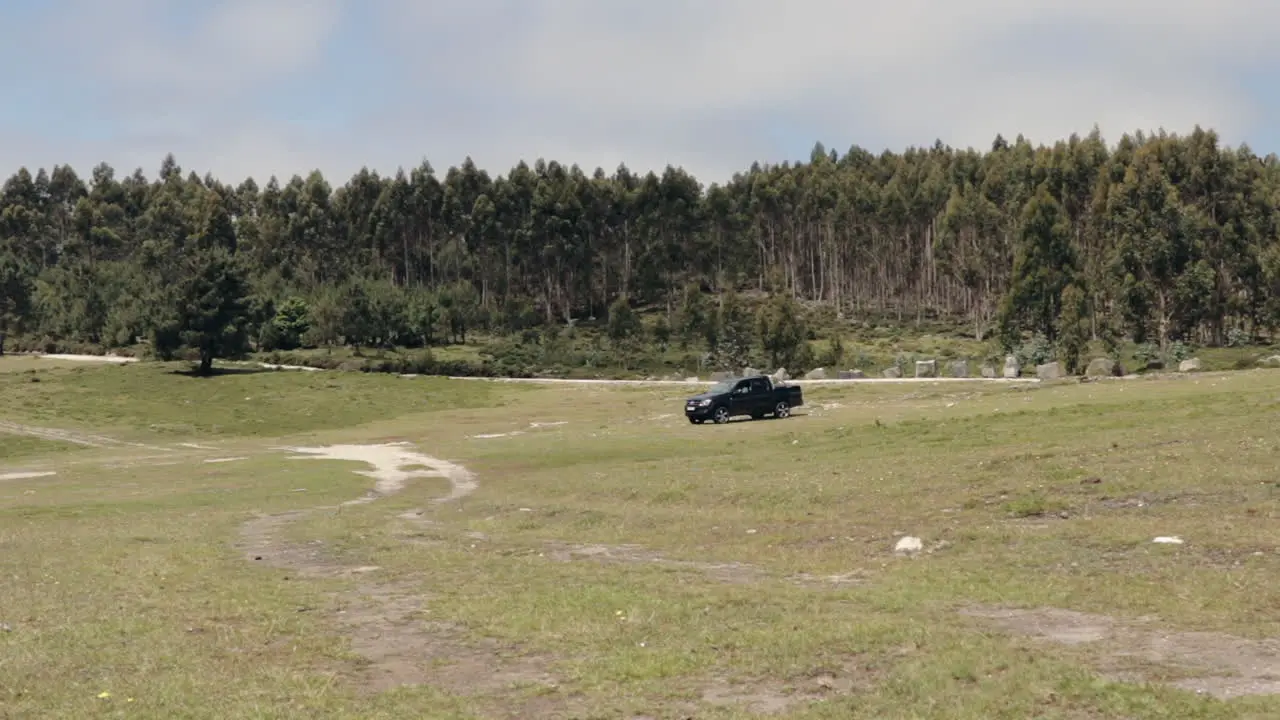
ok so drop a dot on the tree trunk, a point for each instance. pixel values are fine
(206, 363)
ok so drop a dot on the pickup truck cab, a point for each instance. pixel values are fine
(756, 396)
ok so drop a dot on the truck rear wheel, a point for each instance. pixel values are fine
(782, 410)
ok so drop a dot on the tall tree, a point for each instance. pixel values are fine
(1044, 266)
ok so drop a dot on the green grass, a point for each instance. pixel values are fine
(163, 400)
(16, 447)
(128, 580)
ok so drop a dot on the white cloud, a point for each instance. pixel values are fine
(708, 84)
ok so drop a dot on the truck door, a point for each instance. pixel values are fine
(761, 398)
(740, 399)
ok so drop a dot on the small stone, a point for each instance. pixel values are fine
(909, 545)
(4, 627)
(1168, 540)
(1190, 365)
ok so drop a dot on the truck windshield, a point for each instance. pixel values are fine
(724, 386)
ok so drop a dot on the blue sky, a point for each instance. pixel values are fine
(260, 87)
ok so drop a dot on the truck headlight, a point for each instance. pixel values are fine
(703, 403)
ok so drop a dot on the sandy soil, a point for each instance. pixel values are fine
(388, 471)
(117, 359)
(26, 475)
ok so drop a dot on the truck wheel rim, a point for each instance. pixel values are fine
(782, 410)
(722, 415)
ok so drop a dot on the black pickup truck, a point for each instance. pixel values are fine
(756, 396)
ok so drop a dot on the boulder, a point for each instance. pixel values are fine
(1049, 371)
(852, 375)
(1189, 365)
(989, 371)
(892, 372)
(960, 368)
(691, 379)
(781, 375)
(1011, 367)
(749, 372)
(816, 374)
(1272, 361)
(1103, 367)
(926, 368)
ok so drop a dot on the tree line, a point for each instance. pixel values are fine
(1159, 238)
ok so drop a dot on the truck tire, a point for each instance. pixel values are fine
(720, 415)
(782, 410)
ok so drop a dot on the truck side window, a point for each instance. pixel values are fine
(757, 386)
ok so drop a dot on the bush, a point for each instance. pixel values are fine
(1036, 351)
(1179, 351)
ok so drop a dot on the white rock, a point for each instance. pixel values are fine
(1168, 540)
(909, 544)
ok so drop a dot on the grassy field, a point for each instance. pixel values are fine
(585, 552)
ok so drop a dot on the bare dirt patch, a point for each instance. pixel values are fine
(399, 646)
(773, 697)
(393, 466)
(1212, 663)
(730, 572)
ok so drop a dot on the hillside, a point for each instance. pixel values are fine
(1149, 249)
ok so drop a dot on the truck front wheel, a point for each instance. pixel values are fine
(721, 415)
(782, 410)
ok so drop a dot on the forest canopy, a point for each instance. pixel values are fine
(1159, 238)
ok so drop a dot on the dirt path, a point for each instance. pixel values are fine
(69, 436)
(387, 624)
(1214, 663)
(385, 620)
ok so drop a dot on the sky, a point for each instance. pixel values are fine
(254, 88)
